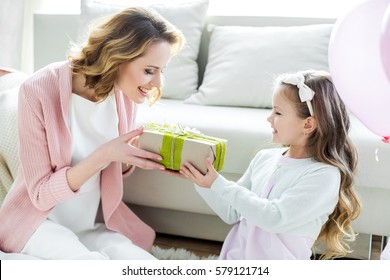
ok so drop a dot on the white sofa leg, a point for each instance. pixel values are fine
(370, 248)
(383, 242)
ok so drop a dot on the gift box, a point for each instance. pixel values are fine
(178, 145)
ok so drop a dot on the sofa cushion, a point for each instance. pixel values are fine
(9, 160)
(373, 157)
(181, 75)
(243, 61)
(11, 78)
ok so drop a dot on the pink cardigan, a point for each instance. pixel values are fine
(45, 156)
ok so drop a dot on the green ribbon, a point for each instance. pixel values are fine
(173, 142)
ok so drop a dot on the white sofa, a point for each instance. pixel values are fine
(171, 205)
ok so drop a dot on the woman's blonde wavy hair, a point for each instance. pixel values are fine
(120, 39)
(331, 144)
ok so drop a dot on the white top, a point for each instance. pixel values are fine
(91, 125)
(278, 199)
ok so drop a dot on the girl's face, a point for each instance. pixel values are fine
(288, 128)
(138, 77)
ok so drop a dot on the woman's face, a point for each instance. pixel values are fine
(138, 77)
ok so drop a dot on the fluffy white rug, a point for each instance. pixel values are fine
(178, 254)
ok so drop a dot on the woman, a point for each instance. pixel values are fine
(75, 145)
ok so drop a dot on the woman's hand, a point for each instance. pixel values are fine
(193, 174)
(120, 149)
(125, 149)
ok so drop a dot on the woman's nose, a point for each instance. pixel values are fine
(157, 80)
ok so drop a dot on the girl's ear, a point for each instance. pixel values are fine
(310, 125)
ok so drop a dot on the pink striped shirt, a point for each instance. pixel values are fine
(45, 156)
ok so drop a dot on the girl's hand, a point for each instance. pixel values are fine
(125, 149)
(190, 172)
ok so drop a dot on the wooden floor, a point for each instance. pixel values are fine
(376, 247)
(201, 248)
(205, 248)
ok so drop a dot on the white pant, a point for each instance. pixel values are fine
(386, 253)
(56, 242)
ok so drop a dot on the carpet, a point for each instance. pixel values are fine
(178, 254)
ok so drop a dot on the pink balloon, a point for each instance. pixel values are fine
(385, 42)
(356, 67)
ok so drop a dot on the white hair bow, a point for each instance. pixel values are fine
(305, 93)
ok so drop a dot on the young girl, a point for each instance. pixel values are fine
(77, 139)
(290, 197)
